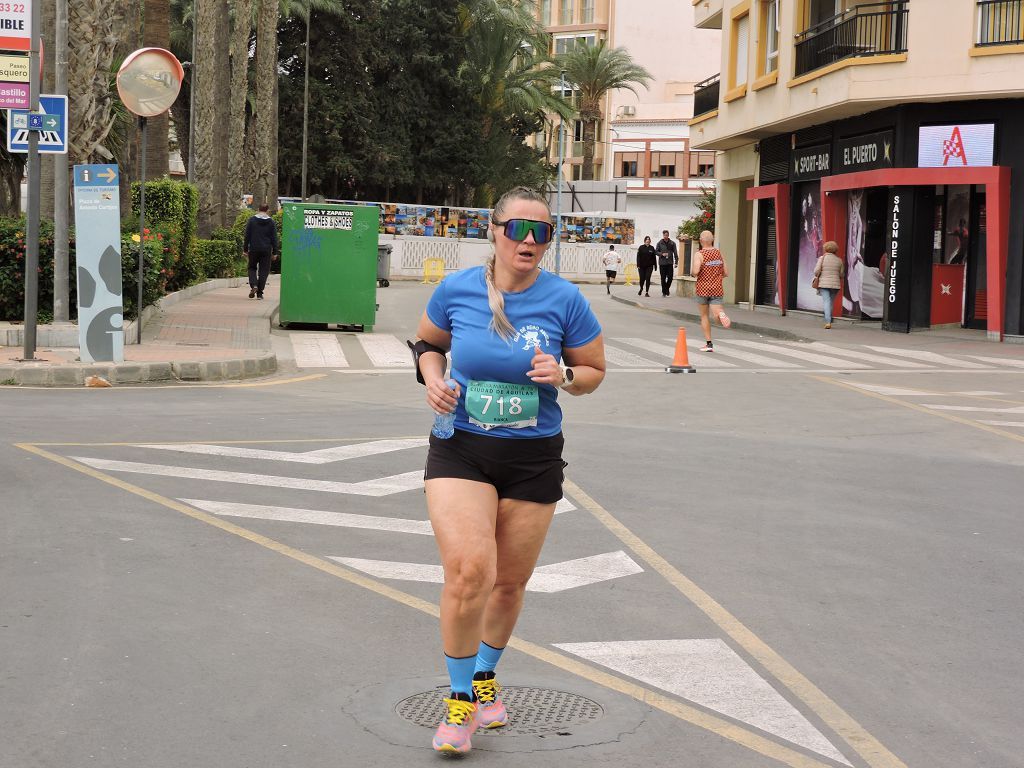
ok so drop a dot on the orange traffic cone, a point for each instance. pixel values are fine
(681, 359)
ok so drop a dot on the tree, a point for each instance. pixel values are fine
(593, 71)
(157, 34)
(211, 113)
(91, 109)
(265, 117)
(239, 99)
(703, 220)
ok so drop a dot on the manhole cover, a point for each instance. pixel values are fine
(531, 710)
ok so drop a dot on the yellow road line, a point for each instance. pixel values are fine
(923, 409)
(727, 730)
(869, 748)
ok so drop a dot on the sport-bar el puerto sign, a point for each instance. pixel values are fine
(16, 26)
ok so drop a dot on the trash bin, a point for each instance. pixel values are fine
(383, 264)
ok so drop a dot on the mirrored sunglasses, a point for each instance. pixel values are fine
(518, 229)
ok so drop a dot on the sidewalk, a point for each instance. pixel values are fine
(799, 325)
(209, 332)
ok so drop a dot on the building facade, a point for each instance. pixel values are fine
(888, 127)
(643, 138)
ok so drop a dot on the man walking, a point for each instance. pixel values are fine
(668, 259)
(709, 268)
(259, 245)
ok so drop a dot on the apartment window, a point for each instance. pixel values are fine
(588, 12)
(740, 40)
(577, 130)
(1000, 22)
(768, 40)
(702, 165)
(667, 165)
(567, 12)
(567, 43)
(545, 12)
(628, 164)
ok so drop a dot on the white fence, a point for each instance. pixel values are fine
(579, 261)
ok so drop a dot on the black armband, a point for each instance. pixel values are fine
(418, 348)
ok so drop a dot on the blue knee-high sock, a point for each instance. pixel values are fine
(460, 671)
(487, 657)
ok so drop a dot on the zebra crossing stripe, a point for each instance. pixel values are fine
(312, 516)
(317, 350)
(1000, 361)
(825, 360)
(669, 351)
(385, 351)
(856, 354)
(740, 354)
(626, 359)
(931, 357)
(320, 456)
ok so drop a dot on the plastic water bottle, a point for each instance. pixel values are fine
(444, 423)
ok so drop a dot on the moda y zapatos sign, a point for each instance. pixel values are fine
(864, 153)
(956, 146)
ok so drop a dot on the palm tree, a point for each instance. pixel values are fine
(265, 116)
(211, 113)
(239, 98)
(157, 34)
(91, 109)
(593, 71)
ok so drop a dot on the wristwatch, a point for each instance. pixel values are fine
(567, 376)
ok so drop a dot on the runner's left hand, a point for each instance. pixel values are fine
(545, 369)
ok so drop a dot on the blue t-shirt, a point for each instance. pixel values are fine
(551, 314)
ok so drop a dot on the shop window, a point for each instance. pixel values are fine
(702, 165)
(768, 38)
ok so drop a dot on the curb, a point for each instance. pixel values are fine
(738, 325)
(70, 375)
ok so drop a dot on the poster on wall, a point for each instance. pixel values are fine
(864, 281)
(809, 244)
(956, 146)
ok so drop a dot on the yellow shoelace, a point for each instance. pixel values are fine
(459, 711)
(486, 690)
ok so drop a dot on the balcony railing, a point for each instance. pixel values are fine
(705, 95)
(873, 29)
(1000, 22)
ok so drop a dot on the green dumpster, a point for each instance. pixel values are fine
(329, 264)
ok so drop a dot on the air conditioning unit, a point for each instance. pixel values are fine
(628, 110)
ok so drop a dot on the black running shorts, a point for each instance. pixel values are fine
(527, 469)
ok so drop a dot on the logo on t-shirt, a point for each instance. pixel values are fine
(530, 335)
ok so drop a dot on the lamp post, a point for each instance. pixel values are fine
(558, 200)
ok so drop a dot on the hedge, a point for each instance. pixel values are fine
(218, 257)
(171, 208)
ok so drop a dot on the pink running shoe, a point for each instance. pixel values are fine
(491, 711)
(454, 732)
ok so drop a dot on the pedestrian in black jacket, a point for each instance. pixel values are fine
(259, 245)
(668, 259)
(646, 258)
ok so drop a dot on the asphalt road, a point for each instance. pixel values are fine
(803, 567)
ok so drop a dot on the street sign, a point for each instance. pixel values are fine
(52, 137)
(14, 96)
(16, 26)
(98, 256)
(13, 68)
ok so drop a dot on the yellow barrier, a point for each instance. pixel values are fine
(632, 274)
(433, 271)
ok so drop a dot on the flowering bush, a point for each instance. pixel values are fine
(705, 218)
(12, 270)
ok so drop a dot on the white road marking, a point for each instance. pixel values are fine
(709, 673)
(975, 408)
(383, 486)
(931, 357)
(669, 352)
(1004, 423)
(626, 359)
(556, 577)
(741, 354)
(856, 354)
(312, 516)
(385, 350)
(317, 350)
(979, 393)
(325, 517)
(881, 389)
(811, 357)
(319, 456)
(1011, 361)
